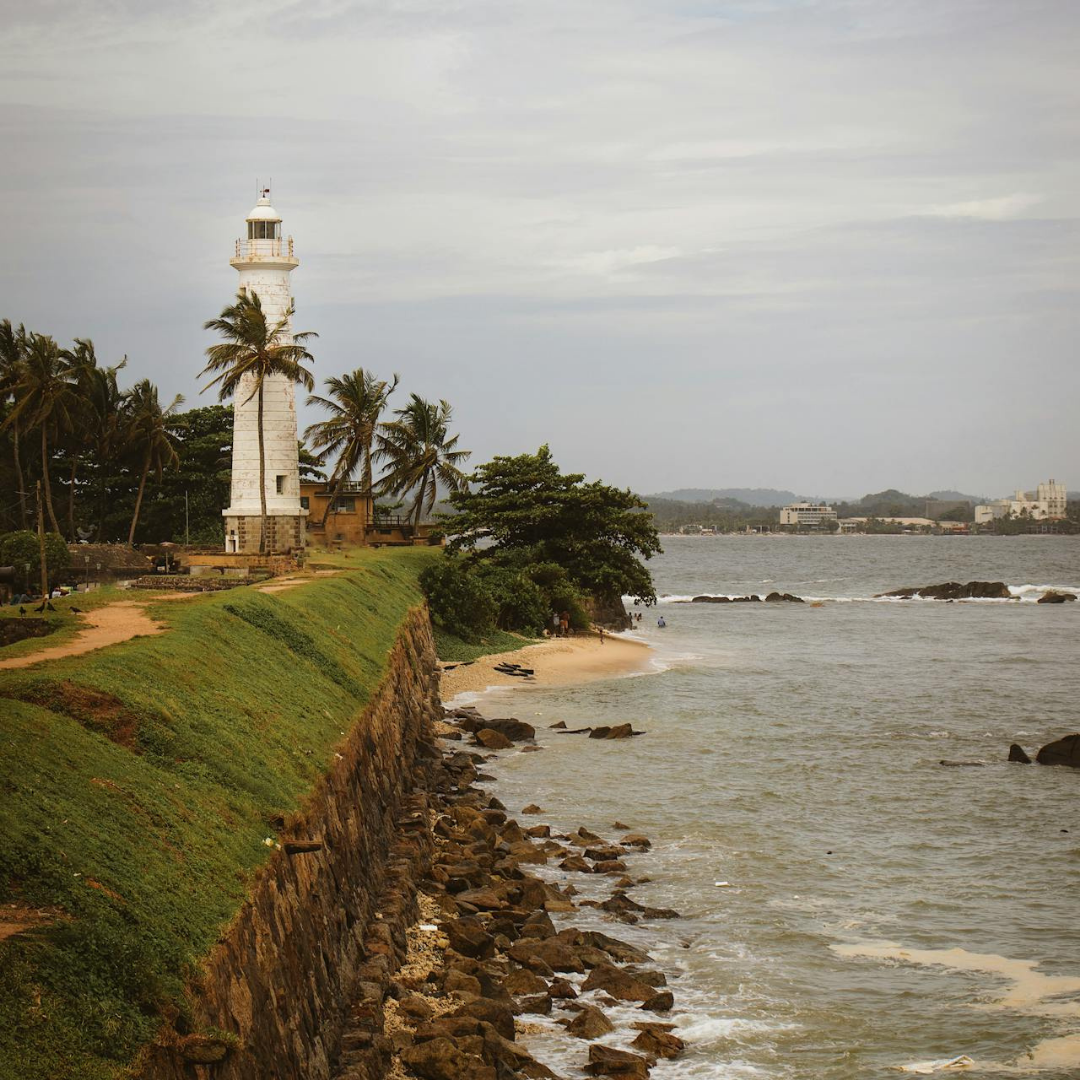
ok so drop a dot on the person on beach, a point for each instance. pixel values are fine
(601, 629)
(564, 623)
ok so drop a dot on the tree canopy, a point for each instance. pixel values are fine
(525, 507)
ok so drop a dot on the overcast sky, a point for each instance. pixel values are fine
(825, 245)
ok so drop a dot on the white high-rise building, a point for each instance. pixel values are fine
(265, 260)
(1046, 503)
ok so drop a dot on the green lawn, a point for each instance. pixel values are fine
(67, 624)
(136, 784)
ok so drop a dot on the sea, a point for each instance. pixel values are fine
(866, 886)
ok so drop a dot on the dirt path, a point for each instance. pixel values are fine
(102, 626)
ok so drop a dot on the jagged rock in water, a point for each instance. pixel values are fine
(954, 590)
(1017, 753)
(1054, 597)
(1064, 751)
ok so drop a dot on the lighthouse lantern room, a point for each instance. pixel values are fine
(265, 260)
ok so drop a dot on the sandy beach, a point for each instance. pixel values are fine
(557, 662)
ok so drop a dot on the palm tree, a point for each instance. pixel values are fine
(252, 351)
(420, 455)
(46, 397)
(145, 430)
(82, 368)
(355, 402)
(12, 356)
(105, 429)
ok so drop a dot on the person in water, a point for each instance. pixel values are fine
(660, 622)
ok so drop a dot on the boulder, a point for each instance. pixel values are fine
(554, 954)
(621, 731)
(618, 983)
(1054, 597)
(599, 732)
(783, 598)
(498, 1015)
(1064, 751)
(440, 1059)
(664, 1001)
(524, 981)
(590, 1023)
(469, 938)
(656, 1041)
(492, 739)
(532, 808)
(618, 1064)
(636, 840)
(514, 729)
(1017, 753)
(954, 590)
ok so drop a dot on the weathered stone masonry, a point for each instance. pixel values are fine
(281, 979)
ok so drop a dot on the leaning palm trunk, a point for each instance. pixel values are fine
(333, 499)
(262, 477)
(19, 478)
(138, 501)
(45, 477)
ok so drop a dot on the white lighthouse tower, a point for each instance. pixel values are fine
(265, 260)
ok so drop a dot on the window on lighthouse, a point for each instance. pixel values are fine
(264, 230)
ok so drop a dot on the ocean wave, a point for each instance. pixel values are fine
(1024, 593)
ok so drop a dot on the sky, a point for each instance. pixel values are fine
(823, 245)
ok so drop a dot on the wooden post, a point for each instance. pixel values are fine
(41, 545)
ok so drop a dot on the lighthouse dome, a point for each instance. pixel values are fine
(263, 211)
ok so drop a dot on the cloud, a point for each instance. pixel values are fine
(1001, 208)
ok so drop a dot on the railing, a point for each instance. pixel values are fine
(282, 247)
(391, 521)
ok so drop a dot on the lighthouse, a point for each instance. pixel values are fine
(265, 260)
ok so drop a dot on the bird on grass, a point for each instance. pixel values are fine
(22, 610)
(48, 604)
(75, 610)
(40, 609)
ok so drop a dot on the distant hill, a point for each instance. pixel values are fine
(748, 496)
(957, 496)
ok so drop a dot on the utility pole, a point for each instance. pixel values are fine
(41, 545)
(187, 523)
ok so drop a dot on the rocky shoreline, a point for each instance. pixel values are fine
(472, 949)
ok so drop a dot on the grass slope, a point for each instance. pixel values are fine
(452, 648)
(135, 788)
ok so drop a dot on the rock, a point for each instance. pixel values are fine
(524, 981)
(1017, 753)
(517, 730)
(610, 866)
(656, 1042)
(953, 590)
(1064, 751)
(554, 954)
(560, 726)
(599, 732)
(498, 1015)
(538, 1003)
(1054, 597)
(538, 832)
(469, 938)
(532, 808)
(664, 1001)
(457, 982)
(601, 854)
(786, 598)
(413, 1005)
(619, 826)
(575, 862)
(484, 899)
(203, 1049)
(493, 739)
(636, 840)
(621, 731)
(562, 990)
(590, 1023)
(618, 983)
(440, 1059)
(619, 1064)
(618, 950)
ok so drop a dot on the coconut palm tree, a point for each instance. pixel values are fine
(355, 402)
(12, 355)
(104, 429)
(45, 398)
(252, 351)
(146, 432)
(420, 454)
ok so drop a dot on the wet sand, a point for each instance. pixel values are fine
(557, 662)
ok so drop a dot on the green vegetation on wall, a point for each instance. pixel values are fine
(136, 787)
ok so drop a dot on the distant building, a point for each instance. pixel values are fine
(352, 521)
(858, 524)
(806, 513)
(1045, 503)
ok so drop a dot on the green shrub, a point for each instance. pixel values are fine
(21, 548)
(457, 600)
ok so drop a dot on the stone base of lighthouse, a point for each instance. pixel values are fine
(285, 533)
